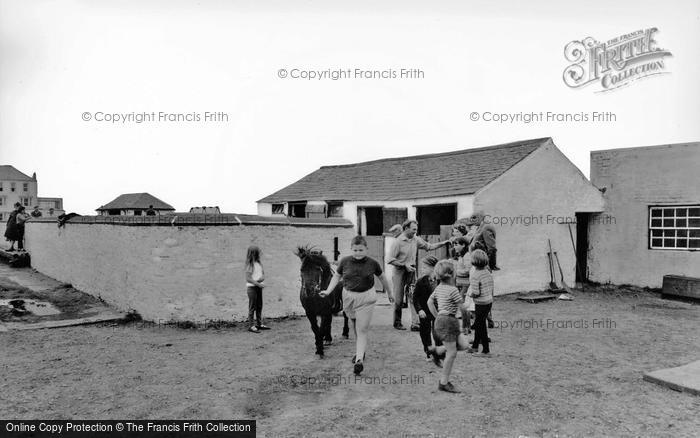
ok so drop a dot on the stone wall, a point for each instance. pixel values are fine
(189, 272)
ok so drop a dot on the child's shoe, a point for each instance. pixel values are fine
(448, 387)
(358, 367)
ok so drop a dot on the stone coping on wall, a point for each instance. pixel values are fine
(181, 219)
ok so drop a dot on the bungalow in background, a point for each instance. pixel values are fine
(652, 195)
(134, 204)
(529, 191)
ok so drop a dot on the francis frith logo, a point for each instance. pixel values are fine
(616, 62)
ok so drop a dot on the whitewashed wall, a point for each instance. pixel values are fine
(192, 273)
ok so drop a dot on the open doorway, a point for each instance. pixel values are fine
(430, 217)
(375, 221)
(370, 221)
(582, 247)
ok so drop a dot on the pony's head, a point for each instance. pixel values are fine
(316, 272)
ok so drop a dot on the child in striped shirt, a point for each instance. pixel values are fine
(444, 304)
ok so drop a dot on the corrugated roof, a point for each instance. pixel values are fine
(9, 173)
(130, 201)
(424, 176)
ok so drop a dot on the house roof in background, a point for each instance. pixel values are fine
(138, 201)
(423, 176)
(9, 173)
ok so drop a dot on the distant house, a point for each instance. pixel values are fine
(134, 204)
(529, 190)
(651, 223)
(15, 186)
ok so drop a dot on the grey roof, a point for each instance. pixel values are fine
(138, 201)
(424, 176)
(9, 173)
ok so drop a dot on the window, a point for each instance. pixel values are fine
(674, 227)
(24, 201)
(335, 209)
(2, 217)
(137, 212)
(12, 187)
(1, 187)
(2, 200)
(277, 208)
(25, 187)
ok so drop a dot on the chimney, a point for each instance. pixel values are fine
(34, 176)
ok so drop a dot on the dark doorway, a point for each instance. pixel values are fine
(430, 217)
(297, 209)
(371, 221)
(582, 247)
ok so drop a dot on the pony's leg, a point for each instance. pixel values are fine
(317, 333)
(346, 329)
(326, 321)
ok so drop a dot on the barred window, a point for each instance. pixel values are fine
(277, 208)
(674, 227)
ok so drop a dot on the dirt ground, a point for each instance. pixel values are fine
(569, 369)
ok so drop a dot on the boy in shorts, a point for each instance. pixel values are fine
(357, 273)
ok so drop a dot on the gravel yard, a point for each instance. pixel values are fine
(559, 368)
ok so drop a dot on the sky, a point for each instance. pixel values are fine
(66, 67)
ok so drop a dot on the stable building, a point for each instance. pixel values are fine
(529, 191)
(651, 223)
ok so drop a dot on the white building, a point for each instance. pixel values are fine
(652, 197)
(15, 186)
(529, 190)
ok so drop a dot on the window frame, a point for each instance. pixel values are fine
(332, 204)
(657, 232)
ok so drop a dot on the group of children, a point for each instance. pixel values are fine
(446, 288)
(439, 291)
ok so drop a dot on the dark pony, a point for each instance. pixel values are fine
(316, 274)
